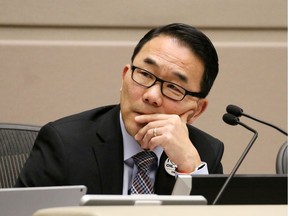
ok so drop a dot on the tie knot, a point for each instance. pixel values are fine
(145, 159)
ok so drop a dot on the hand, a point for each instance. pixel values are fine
(172, 135)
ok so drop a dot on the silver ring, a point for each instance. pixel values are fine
(155, 132)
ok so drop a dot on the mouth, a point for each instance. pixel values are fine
(139, 113)
(144, 113)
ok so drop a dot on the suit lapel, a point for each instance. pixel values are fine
(109, 152)
(164, 182)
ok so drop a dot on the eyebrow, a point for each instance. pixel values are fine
(175, 73)
(151, 61)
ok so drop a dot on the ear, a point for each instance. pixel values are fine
(201, 107)
(124, 72)
(125, 69)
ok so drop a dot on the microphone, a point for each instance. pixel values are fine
(234, 120)
(237, 111)
(230, 119)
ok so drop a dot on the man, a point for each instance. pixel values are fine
(163, 92)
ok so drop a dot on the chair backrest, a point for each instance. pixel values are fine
(16, 141)
(282, 159)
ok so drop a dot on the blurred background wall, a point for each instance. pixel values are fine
(60, 57)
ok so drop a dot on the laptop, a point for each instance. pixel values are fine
(180, 196)
(244, 189)
(141, 200)
(25, 201)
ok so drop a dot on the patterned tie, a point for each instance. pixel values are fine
(142, 183)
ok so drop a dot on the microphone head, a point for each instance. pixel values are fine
(230, 119)
(235, 110)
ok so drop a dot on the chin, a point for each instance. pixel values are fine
(132, 131)
(130, 127)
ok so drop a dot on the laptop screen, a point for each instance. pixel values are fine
(25, 201)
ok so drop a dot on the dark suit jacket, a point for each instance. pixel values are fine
(87, 149)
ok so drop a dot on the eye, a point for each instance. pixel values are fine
(172, 89)
(175, 88)
(145, 74)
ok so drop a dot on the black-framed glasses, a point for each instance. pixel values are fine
(168, 89)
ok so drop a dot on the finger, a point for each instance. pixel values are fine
(145, 134)
(151, 133)
(150, 118)
(148, 127)
(151, 140)
(155, 142)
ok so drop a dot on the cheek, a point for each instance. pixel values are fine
(130, 97)
(131, 92)
(125, 89)
(180, 108)
(174, 108)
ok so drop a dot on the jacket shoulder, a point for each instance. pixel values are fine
(197, 135)
(88, 115)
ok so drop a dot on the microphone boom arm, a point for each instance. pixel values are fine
(266, 123)
(238, 111)
(239, 161)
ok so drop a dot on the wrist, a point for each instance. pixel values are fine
(191, 170)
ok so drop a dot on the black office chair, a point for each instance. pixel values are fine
(282, 159)
(16, 141)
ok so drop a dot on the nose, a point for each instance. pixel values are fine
(153, 95)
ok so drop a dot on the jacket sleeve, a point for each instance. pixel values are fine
(209, 148)
(46, 164)
(217, 167)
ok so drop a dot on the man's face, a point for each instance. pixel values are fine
(167, 59)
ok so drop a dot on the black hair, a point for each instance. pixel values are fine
(196, 41)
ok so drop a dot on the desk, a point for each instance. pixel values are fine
(220, 210)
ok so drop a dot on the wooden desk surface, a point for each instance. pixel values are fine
(235, 210)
